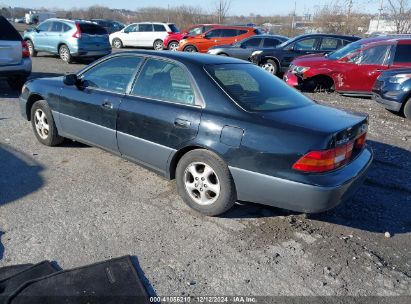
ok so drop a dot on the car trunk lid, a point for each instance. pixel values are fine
(93, 36)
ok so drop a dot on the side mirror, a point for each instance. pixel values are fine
(205, 36)
(70, 79)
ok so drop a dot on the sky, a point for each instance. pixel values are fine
(238, 7)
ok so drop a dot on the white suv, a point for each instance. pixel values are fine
(15, 61)
(144, 34)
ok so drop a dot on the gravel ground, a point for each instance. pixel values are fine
(76, 205)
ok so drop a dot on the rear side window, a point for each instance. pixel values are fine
(7, 31)
(255, 89)
(66, 27)
(56, 27)
(166, 81)
(241, 32)
(112, 75)
(159, 28)
(329, 44)
(173, 28)
(403, 53)
(269, 42)
(92, 29)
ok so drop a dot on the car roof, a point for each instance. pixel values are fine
(398, 38)
(186, 57)
(348, 37)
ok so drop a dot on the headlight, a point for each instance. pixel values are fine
(400, 78)
(300, 69)
(212, 51)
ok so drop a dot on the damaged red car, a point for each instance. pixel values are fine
(353, 69)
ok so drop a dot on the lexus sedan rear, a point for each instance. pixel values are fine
(225, 129)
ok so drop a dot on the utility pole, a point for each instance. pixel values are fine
(295, 11)
(168, 13)
(379, 14)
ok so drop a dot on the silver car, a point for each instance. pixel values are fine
(15, 61)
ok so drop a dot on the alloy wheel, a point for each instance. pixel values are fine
(269, 67)
(158, 45)
(64, 54)
(173, 46)
(41, 123)
(202, 183)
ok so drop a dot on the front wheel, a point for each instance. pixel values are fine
(65, 54)
(43, 124)
(270, 66)
(205, 183)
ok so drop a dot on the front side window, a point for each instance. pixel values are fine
(372, 56)
(131, 28)
(254, 89)
(113, 74)
(345, 51)
(305, 45)
(44, 27)
(213, 34)
(253, 42)
(166, 81)
(195, 31)
(145, 27)
(403, 53)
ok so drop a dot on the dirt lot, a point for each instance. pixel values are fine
(76, 204)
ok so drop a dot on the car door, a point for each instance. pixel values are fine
(161, 113)
(363, 68)
(88, 111)
(130, 35)
(40, 36)
(246, 48)
(210, 39)
(299, 48)
(54, 36)
(146, 34)
(401, 58)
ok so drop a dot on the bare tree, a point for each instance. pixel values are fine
(222, 9)
(400, 13)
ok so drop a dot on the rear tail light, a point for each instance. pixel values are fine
(25, 49)
(77, 34)
(327, 160)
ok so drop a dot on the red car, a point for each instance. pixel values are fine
(173, 39)
(353, 69)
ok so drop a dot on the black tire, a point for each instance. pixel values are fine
(32, 50)
(16, 82)
(52, 138)
(190, 48)
(407, 109)
(270, 66)
(227, 194)
(65, 54)
(173, 46)
(158, 45)
(117, 43)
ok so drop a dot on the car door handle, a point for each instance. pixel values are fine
(107, 105)
(182, 123)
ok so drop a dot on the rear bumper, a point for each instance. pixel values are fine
(22, 69)
(91, 53)
(287, 194)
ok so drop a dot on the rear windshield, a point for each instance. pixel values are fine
(92, 29)
(173, 28)
(255, 89)
(7, 31)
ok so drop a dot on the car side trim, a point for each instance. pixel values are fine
(269, 190)
(150, 154)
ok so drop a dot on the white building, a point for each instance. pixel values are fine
(381, 26)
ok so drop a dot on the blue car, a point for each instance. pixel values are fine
(225, 129)
(69, 39)
(393, 90)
